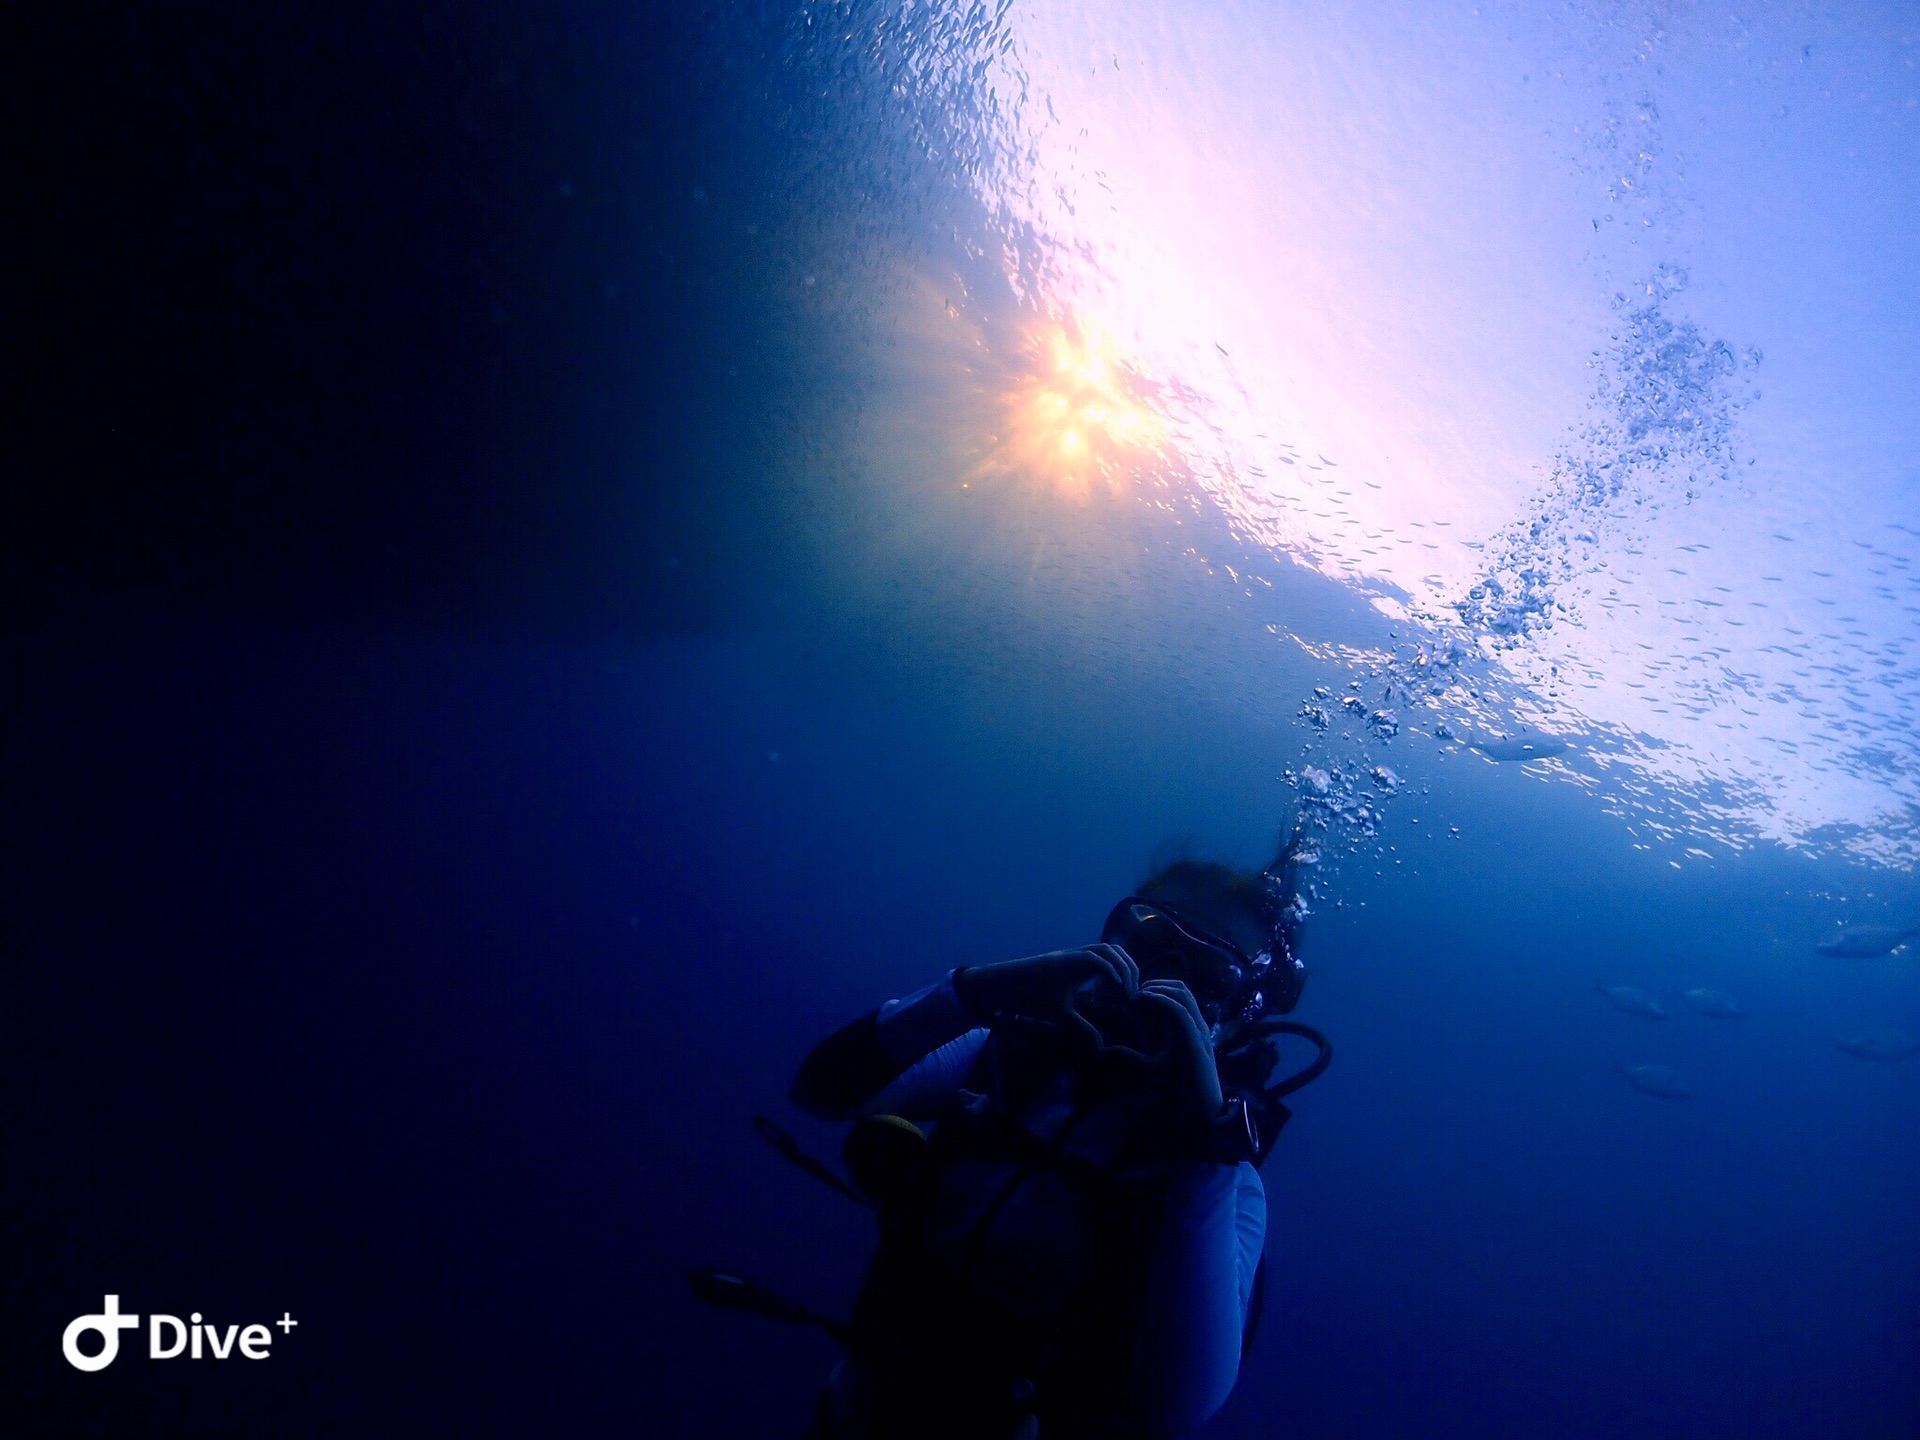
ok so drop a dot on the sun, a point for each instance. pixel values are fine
(1073, 411)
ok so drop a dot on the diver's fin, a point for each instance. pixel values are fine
(726, 1291)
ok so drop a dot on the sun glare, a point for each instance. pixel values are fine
(1074, 412)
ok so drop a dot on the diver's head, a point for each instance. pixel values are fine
(1225, 903)
(1227, 934)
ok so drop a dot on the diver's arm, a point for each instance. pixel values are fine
(927, 1089)
(1199, 1278)
(1199, 1286)
(860, 1060)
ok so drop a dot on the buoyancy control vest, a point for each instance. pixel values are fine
(1010, 1269)
(1005, 1289)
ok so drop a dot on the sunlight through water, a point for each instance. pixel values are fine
(1074, 411)
(1581, 343)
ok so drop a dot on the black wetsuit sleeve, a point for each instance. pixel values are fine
(858, 1061)
(847, 1067)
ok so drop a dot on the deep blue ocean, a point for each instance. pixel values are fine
(559, 555)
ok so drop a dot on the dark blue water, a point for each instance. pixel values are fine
(457, 764)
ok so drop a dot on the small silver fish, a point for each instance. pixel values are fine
(1862, 941)
(1881, 1045)
(1661, 1081)
(1633, 1000)
(1715, 1004)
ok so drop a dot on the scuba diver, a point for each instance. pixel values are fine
(1064, 1154)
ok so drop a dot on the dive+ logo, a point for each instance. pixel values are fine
(254, 1342)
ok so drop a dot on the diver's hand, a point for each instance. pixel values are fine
(1185, 1053)
(1041, 987)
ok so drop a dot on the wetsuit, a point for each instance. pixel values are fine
(1164, 1292)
